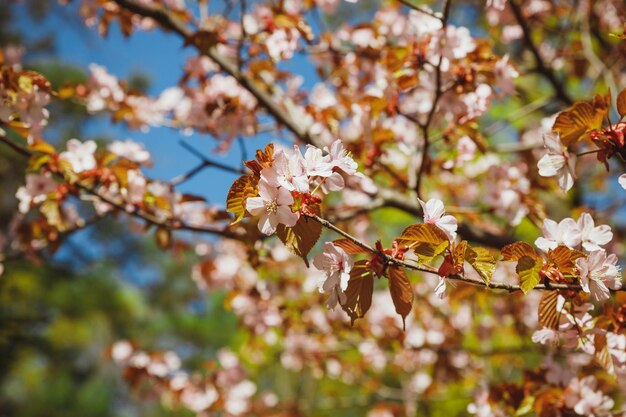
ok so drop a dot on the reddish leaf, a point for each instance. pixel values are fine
(300, 238)
(426, 240)
(359, 291)
(349, 246)
(515, 251)
(401, 292)
(548, 314)
(243, 188)
(602, 355)
(621, 103)
(565, 260)
(580, 119)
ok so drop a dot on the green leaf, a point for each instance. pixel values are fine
(482, 261)
(528, 269)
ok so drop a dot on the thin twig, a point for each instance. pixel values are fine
(208, 162)
(389, 260)
(172, 224)
(541, 66)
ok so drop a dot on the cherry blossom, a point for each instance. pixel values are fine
(505, 74)
(598, 274)
(583, 396)
(103, 88)
(288, 171)
(133, 151)
(593, 237)
(316, 163)
(566, 232)
(496, 4)
(337, 264)
(434, 214)
(340, 158)
(458, 42)
(557, 162)
(36, 190)
(80, 155)
(273, 207)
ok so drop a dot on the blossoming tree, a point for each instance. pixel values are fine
(447, 185)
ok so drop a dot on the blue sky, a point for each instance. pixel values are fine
(161, 57)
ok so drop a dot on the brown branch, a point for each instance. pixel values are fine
(172, 224)
(169, 21)
(410, 5)
(389, 260)
(391, 198)
(541, 66)
(438, 93)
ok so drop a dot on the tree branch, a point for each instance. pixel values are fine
(169, 21)
(390, 260)
(542, 68)
(172, 224)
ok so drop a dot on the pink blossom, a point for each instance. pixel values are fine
(36, 190)
(282, 43)
(567, 232)
(316, 163)
(458, 42)
(505, 74)
(322, 97)
(477, 102)
(132, 151)
(80, 155)
(238, 397)
(557, 162)
(288, 171)
(135, 186)
(273, 207)
(199, 66)
(340, 158)
(508, 186)
(546, 336)
(585, 399)
(198, 399)
(337, 264)
(598, 274)
(434, 214)
(103, 88)
(422, 24)
(496, 4)
(593, 237)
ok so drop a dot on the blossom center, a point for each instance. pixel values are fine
(271, 206)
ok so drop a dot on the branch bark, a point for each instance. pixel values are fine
(541, 66)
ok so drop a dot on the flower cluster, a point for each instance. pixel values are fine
(599, 272)
(226, 390)
(291, 176)
(23, 97)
